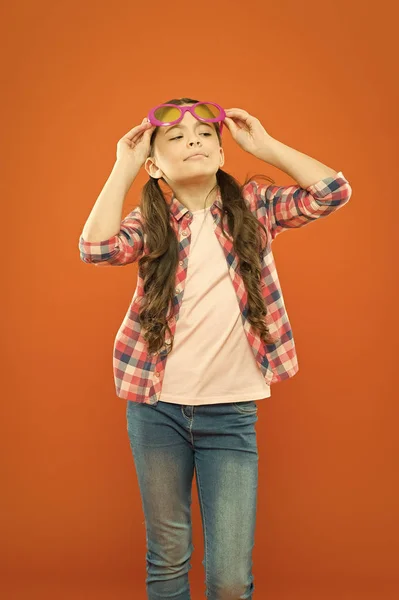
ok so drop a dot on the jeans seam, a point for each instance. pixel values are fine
(202, 506)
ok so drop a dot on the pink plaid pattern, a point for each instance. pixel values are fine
(138, 374)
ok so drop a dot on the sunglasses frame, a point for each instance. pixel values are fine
(183, 109)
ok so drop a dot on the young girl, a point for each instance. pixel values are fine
(207, 332)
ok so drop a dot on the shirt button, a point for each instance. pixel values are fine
(177, 291)
(157, 374)
(184, 232)
(181, 263)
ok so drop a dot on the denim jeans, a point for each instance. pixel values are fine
(217, 441)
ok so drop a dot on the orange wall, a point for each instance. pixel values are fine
(76, 77)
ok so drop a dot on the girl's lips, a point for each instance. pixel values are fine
(196, 156)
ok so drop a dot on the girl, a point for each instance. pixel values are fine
(207, 332)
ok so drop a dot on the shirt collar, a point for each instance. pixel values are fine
(178, 209)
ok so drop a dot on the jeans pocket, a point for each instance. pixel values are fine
(248, 408)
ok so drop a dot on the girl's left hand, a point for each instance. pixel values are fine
(247, 130)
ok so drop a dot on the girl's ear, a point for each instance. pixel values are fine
(221, 157)
(152, 168)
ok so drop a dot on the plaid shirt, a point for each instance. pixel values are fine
(138, 374)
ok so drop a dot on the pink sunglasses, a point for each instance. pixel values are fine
(157, 110)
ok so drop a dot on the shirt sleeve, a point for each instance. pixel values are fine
(121, 249)
(280, 208)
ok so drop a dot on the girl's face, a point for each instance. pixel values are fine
(173, 146)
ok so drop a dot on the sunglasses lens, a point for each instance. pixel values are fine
(207, 111)
(169, 114)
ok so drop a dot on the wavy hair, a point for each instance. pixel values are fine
(158, 267)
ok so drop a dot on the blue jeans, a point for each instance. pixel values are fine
(168, 441)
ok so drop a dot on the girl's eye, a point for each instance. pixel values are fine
(179, 136)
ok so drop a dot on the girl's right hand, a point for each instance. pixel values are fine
(134, 146)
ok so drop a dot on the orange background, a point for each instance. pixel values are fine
(76, 77)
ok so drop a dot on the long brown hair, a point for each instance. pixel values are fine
(158, 267)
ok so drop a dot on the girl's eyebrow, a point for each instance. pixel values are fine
(196, 125)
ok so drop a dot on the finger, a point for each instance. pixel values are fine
(141, 135)
(144, 123)
(231, 126)
(140, 130)
(236, 122)
(235, 110)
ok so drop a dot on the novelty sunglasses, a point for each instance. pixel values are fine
(171, 114)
